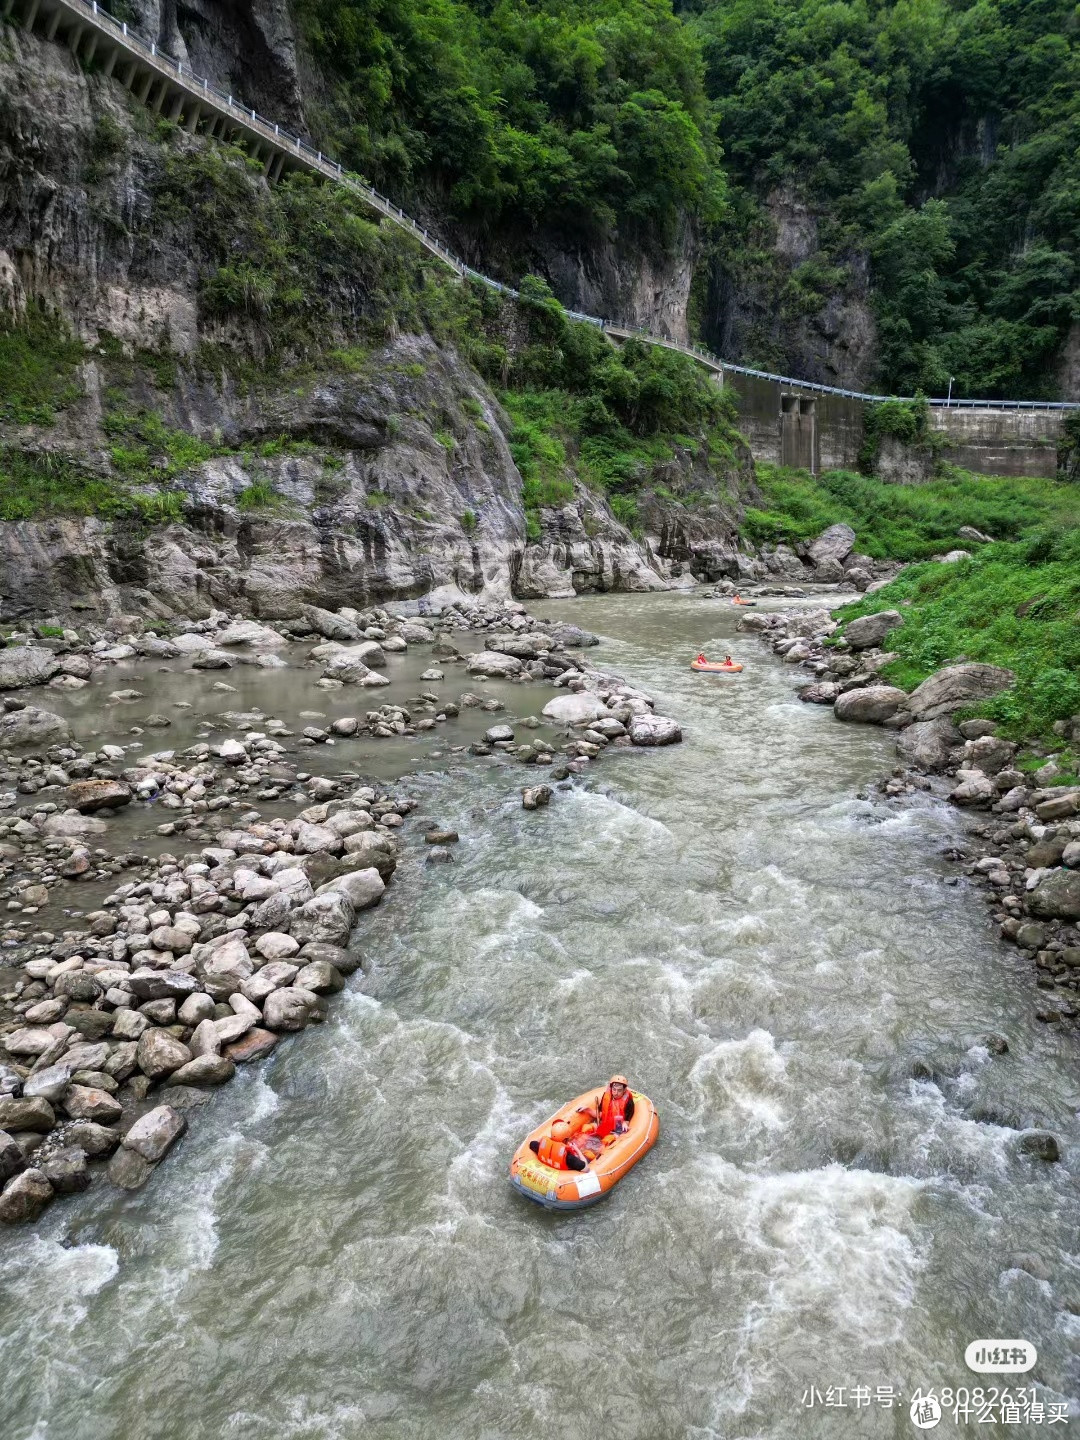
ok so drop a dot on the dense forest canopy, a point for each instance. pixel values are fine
(940, 139)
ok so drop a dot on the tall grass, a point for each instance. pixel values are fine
(905, 522)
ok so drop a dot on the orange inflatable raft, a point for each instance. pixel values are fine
(715, 667)
(575, 1189)
(744, 604)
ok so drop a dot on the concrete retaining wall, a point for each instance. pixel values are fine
(786, 425)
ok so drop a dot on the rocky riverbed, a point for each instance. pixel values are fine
(119, 1013)
(1024, 834)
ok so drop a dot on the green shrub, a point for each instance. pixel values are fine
(258, 495)
(907, 421)
(38, 361)
(162, 508)
(1068, 450)
(469, 521)
(108, 143)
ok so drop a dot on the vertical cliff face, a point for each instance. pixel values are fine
(626, 284)
(777, 303)
(245, 47)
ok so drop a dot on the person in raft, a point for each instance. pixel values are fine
(701, 660)
(616, 1109)
(559, 1149)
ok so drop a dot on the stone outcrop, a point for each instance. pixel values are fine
(950, 689)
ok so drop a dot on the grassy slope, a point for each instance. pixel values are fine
(1015, 603)
(905, 522)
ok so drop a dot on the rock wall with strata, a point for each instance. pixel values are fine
(388, 483)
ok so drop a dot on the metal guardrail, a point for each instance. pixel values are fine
(292, 145)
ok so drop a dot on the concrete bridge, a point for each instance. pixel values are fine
(787, 421)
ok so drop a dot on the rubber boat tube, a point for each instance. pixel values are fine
(576, 1189)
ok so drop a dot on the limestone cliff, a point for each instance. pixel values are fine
(777, 303)
(279, 455)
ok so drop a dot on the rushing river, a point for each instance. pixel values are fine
(334, 1251)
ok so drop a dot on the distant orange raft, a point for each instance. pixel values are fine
(575, 1189)
(715, 667)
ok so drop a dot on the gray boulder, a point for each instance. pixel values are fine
(160, 1053)
(250, 633)
(154, 1133)
(577, 709)
(926, 745)
(361, 888)
(288, 1008)
(974, 788)
(129, 1169)
(329, 625)
(24, 1197)
(86, 796)
(26, 665)
(524, 647)
(11, 1157)
(870, 630)
(954, 687)
(836, 543)
(328, 917)
(195, 1009)
(35, 1114)
(147, 984)
(94, 1139)
(204, 1071)
(1057, 896)
(350, 665)
(317, 839)
(321, 978)
(872, 705)
(654, 730)
(572, 637)
(32, 729)
(83, 1102)
(270, 977)
(66, 1170)
(493, 663)
(822, 692)
(989, 754)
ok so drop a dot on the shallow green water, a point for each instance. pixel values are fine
(334, 1251)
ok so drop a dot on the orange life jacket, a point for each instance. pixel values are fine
(612, 1111)
(553, 1153)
